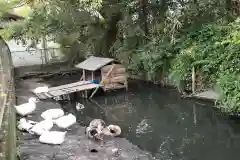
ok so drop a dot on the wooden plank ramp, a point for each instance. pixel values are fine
(67, 89)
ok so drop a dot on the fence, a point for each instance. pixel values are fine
(36, 57)
(7, 101)
(23, 55)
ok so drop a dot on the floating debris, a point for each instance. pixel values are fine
(143, 127)
(79, 106)
(115, 152)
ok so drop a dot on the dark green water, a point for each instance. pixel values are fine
(155, 119)
(159, 121)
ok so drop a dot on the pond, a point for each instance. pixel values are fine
(159, 122)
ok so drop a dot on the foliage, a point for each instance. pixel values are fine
(155, 37)
(6, 5)
(66, 22)
(152, 59)
(214, 51)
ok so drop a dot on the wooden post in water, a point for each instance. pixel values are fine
(193, 80)
(44, 46)
(194, 115)
(92, 75)
(84, 79)
(81, 78)
(126, 83)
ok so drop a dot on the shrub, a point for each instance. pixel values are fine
(214, 50)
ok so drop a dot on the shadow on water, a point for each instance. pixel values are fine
(157, 120)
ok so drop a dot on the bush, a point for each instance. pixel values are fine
(153, 60)
(214, 50)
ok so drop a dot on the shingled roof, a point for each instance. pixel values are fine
(94, 63)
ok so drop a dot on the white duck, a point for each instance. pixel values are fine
(65, 121)
(52, 137)
(114, 130)
(24, 125)
(41, 127)
(52, 113)
(27, 108)
(43, 89)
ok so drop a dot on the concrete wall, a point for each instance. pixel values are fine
(7, 101)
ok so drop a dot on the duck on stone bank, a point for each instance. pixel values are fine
(97, 129)
(94, 130)
(27, 108)
(114, 130)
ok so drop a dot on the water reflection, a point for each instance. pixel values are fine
(159, 121)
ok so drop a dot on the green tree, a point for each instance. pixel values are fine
(156, 38)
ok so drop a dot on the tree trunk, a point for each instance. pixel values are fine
(44, 46)
(110, 36)
(144, 15)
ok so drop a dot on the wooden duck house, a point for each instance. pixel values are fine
(107, 72)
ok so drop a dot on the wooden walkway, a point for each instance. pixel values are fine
(67, 89)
